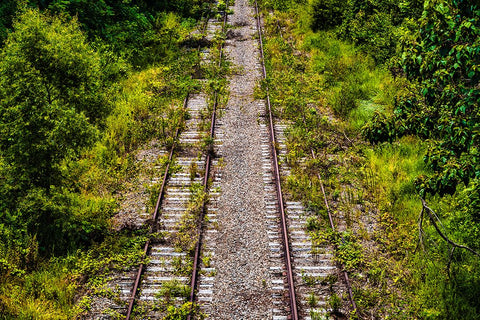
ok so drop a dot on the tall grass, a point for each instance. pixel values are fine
(390, 171)
(44, 294)
(350, 76)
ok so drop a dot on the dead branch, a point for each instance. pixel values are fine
(431, 215)
(420, 230)
(450, 260)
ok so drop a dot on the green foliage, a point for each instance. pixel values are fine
(70, 121)
(374, 26)
(46, 294)
(443, 58)
(334, 302)
(349, 252)
(132, 29)
(350, 75)
(173, 289)
(370, 25)
(181, 313)
(441, 107)
(147, 106)
(187, 8)
(327, 14)
(47, 63)
(312, 300)
(121, 24)
(282, 5)
(188, 226)
(51, 102)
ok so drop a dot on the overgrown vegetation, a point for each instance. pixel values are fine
(84, 84)
(172, 299)
(333, 65)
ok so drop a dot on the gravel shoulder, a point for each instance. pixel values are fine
(241, 289)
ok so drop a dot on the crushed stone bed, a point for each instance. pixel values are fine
(242, 287)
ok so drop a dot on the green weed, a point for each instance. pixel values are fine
(312, 300)
(173, 289)
(334, 302)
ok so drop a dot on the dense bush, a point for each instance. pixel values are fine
(186, 8)
(442, 58)
(119, 23)
(51, 102)
(132, 29)
(327, 14)
(372, 25)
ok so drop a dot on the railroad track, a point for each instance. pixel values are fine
(301, 276)
(170, 277)
(312, 276)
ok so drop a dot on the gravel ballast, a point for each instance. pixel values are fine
(242, 283)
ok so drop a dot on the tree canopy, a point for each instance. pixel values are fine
(50, 93)
(51, 103)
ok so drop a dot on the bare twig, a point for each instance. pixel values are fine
(450, 260)
(345, 135)
(420, 230)
(432, 215)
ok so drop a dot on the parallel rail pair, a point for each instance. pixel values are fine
(161, 195)
(283, 218)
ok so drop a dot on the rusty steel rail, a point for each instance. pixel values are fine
(208, 163)
(198, 245)
(332, 225)
(154, 219)
(288, 258)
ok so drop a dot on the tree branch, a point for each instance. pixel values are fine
(431, 214)
(420, 230)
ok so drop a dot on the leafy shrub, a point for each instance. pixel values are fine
(442, 58)
(372, 25)
(183, 311)
(326, 14)
(281, 5)
(349, 252)
(334, 302)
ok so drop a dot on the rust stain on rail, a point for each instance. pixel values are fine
(154, 219)
(288, 259)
